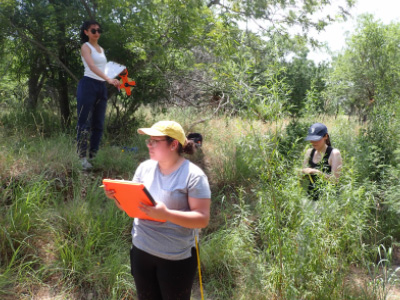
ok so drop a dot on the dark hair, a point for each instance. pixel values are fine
(189, 148)
(328, 140)
(197, 138)
(85, 26)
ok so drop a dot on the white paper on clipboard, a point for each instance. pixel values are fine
(113, 69)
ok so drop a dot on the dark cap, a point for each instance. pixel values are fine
(316, 132)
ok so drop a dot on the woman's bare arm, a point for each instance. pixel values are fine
(336, 163)
(197, 217)
(86, 54)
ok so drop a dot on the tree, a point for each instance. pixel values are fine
(252, 57)
(45, 55)
(299, 74)
(159, 41)
(276, 17)
(366, 74)
(151, 38)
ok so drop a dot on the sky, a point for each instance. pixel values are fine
(335, 35)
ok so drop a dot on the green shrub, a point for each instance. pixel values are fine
(378, 141)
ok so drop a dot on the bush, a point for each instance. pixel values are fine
(378, 141)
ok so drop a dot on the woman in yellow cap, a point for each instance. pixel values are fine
(163, 255)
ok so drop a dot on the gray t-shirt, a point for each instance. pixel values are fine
(168, 240)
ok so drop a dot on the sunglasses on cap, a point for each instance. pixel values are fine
(93, 31)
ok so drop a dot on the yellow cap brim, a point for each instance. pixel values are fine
(150, 131)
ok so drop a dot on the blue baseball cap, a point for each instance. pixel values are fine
(316, 132)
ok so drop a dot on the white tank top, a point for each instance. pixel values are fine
(99, 60)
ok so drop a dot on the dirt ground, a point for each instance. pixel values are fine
(360, 282)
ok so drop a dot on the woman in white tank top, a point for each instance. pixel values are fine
(92, 93)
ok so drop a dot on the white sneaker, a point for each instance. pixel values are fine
(85, 164)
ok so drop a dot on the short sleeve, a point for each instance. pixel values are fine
(138, 174)
(199, 187)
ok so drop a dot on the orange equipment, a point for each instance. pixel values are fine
(130, 195)
(126, 84)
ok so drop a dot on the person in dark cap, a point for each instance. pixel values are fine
(322, 161)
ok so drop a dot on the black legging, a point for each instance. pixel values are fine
(162, 279)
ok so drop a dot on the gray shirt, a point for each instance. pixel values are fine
(168, 240)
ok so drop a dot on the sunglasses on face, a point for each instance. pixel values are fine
(93, 31)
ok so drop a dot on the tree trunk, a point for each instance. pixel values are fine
(63, 100)
(62, 85)
(35, 83)
(33, 93)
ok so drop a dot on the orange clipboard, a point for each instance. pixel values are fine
(129, 195)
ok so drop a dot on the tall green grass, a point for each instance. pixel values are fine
(266, 239)
(92, 239)
(298, 249)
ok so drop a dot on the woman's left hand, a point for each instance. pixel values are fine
(159, 211)
(114, 82)
(311, 171)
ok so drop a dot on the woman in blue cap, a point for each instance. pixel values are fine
(322, 160)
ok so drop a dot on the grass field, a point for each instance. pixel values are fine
(61, 238)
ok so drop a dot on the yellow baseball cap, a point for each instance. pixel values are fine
(166, 128)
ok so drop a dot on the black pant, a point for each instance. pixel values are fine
(162, 279)
(91, 106)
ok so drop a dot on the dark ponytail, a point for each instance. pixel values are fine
(85, 26)
(328, 140)
(189, 148)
